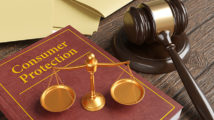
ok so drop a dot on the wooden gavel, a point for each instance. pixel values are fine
(158, 21)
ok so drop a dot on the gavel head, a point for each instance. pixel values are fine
(144, 23)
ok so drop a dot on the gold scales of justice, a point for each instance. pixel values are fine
(58, 98)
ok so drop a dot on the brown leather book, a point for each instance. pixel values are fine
(26, 74)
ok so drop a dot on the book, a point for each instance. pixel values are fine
(25, 19)
(26, 74)
(103, 8)
(68, 12)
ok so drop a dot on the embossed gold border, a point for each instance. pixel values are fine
(173, 107)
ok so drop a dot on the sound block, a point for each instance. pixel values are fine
(150, 58)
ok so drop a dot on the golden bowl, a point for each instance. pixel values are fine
(57, 98)
(127, 91)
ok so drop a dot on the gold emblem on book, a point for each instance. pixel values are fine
(125, 91)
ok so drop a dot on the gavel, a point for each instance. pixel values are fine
(158, 21)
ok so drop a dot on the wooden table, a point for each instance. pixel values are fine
(201, 62)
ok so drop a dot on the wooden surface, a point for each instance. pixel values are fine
(201, 62)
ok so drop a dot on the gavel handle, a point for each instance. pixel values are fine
(198, 98)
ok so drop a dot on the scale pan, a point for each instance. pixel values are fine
(57, 98)
(127, 91)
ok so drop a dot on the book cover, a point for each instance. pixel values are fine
(26, 74)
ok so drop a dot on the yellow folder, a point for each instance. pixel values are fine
(104, 7)
(68, 12)
(25, 19)
(29, 19)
